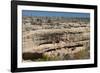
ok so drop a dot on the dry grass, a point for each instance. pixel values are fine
(82, 54)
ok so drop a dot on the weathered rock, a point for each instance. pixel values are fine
(50, 38)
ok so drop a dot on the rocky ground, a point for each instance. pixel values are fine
(49, 39)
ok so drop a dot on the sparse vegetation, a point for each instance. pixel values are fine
(55, 38)
(82, 54)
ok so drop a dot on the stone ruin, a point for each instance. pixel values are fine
(55, 39)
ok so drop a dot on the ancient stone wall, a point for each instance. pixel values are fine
(56, 39)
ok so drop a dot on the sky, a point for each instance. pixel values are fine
(50, 13)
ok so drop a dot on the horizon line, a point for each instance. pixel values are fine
(53, 14)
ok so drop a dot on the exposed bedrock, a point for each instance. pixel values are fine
(59, 40)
